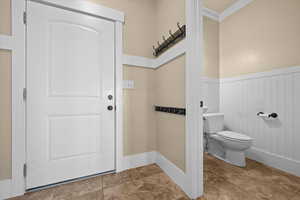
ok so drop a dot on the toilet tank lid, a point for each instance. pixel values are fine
(213, 114)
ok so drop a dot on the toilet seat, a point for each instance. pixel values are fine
(234, 136)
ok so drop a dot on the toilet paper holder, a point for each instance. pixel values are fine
(270, 115)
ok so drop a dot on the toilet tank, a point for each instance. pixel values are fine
(213, 122)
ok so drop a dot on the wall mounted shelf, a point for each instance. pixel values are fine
(172, 110)
(170, 41)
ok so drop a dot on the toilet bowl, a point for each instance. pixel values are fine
(226, 145)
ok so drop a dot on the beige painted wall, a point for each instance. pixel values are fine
(170, 91)
(139, 115)
(262, 36)
(5, 13)
(5, 114)
(211, 48)
(170, 86)
(140, 24)
(168, 13)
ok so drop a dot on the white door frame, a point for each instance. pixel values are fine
(193, 96)
(16, 43)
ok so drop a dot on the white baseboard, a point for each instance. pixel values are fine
(139, 160)
(142, 159)
(5, 189)
(276, 161)
(176, 174)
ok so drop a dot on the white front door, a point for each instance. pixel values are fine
(70, 74)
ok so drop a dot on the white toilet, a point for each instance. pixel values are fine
(226, 145)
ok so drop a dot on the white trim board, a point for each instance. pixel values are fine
(227, 12)
(210, 80)
(211, 14)
(5, 191)
(176, 174)
(193, 96)
(273, 160)
(119, 94)
(86, 7)
(234, 8)
(6, 42)
(138, 61)
(153, 63)
(147, 158)
(138, 160)
(171, 54)
(274, 72)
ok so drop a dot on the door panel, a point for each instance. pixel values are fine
(70, 73)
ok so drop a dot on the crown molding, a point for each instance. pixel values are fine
(234, 8)
(211, 14)
(227, 12)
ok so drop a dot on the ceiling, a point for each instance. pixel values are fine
(218, 5)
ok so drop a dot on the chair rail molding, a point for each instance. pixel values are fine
(153, 63)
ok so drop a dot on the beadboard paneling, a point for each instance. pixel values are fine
(277, 91)
(211, 93)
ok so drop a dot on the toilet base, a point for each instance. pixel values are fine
(216, 149)
(235, 157)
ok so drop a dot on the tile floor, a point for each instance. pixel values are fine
(222, 182)
(256, 181)
(143, 183)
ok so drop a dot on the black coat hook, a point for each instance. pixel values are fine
(179, 27)
(171, 34)
(170, 41)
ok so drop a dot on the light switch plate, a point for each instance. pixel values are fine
(128, 84)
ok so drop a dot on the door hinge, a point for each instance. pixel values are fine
(25, 170)
(25, 18)
(24, 94)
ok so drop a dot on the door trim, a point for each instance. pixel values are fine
(86, 7)
(16, 43)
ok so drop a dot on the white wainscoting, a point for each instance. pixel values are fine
(211, 93)
(276, 142)
(5, 188)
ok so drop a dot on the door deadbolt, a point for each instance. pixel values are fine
(110, 107)
(110, 97)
